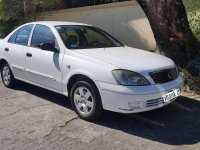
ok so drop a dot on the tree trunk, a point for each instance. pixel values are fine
(169, 23)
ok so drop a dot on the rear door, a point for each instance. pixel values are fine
(15, 48)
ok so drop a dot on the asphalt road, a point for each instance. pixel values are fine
(34, 118)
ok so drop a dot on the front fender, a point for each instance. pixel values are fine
(81, 72)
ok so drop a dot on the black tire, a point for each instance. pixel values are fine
(97, 110)
(12, 80)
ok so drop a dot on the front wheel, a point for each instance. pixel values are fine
(7, 76)
(86, 101)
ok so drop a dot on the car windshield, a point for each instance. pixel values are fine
(86, 37)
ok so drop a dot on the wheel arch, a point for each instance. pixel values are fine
(2, 61)
(77, 77)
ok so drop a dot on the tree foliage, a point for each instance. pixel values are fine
(11, 15)
(16, 12)
(11, 9)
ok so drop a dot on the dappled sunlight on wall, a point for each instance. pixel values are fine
(138, 27)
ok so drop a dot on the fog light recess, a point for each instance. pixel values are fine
(135, 105)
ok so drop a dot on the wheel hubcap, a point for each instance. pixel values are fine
(83, 100)
(6, 75)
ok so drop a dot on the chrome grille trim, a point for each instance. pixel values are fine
(154, 102)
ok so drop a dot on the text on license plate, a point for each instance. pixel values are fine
(171, 95)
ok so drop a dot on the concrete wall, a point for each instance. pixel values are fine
(125, 20)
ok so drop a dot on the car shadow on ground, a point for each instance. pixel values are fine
(175, 124)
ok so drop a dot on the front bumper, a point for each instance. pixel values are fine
(134, 99)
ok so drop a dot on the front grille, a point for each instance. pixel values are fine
(154, 102)
(164, 76)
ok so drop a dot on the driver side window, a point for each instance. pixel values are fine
(42, 34)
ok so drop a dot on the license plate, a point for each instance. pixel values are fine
(171, 95)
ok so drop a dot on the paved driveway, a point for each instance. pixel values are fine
(33, 118)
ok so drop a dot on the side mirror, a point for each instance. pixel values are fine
(49, 47)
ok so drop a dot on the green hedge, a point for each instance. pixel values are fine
(194, 17)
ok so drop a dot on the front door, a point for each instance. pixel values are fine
(44, 66)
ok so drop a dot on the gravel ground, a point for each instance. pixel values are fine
(34, 118)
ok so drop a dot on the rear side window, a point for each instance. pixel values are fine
(23, 35)
(13, 37)
(42, 34)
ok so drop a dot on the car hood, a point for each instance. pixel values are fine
(129, 58)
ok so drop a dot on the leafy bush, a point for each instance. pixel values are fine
(6, 26)
(194, 17)
(192, 71)
(192, 75)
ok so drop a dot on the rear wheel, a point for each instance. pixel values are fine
(86, 101)
(7, 76)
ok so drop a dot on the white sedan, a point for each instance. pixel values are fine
(92, 68)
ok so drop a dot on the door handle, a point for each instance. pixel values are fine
(28, 54)
(6, 49)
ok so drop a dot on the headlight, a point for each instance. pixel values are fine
(129, 78)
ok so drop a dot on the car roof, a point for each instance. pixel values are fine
(56, 23)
